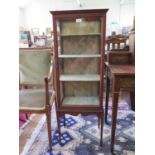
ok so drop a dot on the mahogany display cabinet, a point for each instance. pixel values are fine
(79, 41)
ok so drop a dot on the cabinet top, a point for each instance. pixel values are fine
(59, 12)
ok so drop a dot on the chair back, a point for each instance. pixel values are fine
(116, 43)
(34, 65)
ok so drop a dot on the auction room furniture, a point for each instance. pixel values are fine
(36, 69)
(79, 41)
(120, 58)
(121, 74)
(122, 77)
(114, 58)
(123, 58)
(116, 42)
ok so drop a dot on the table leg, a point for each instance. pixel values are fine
(115, 95)
(132, 100)
(107, 98)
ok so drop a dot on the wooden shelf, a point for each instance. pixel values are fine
(81, 101)
(86, 77)
(79, 56)
(88, 34)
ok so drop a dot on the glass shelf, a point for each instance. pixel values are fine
(79, 55)
(80, 101)
(87, 34)
(78, 77)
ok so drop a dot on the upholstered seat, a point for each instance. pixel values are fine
(32, 99)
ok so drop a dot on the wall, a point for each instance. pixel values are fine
(36, 14)
(127, 12)
(21, 17)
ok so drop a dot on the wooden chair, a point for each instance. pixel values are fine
(117, 43)
(36, 69)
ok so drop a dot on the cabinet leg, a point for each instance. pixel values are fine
(107, 98)
(102, 122)
(59, 130)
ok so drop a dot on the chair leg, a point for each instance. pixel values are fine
(48, 115)
(59, 130)
(102, 122)
(27, 116)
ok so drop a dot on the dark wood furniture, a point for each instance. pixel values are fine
(36, 72)
(132, 45)
(79, 41)
(124, 58)
(114, 58)
(117, 43)
(119, 58)
(123, 77)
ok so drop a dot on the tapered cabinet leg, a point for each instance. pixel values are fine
(102, 122)
(58, 123)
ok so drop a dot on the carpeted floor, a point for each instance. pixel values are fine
(81, 135)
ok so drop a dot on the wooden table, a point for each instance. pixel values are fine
(122, 76)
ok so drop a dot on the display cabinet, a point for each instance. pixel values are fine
(79, 41)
